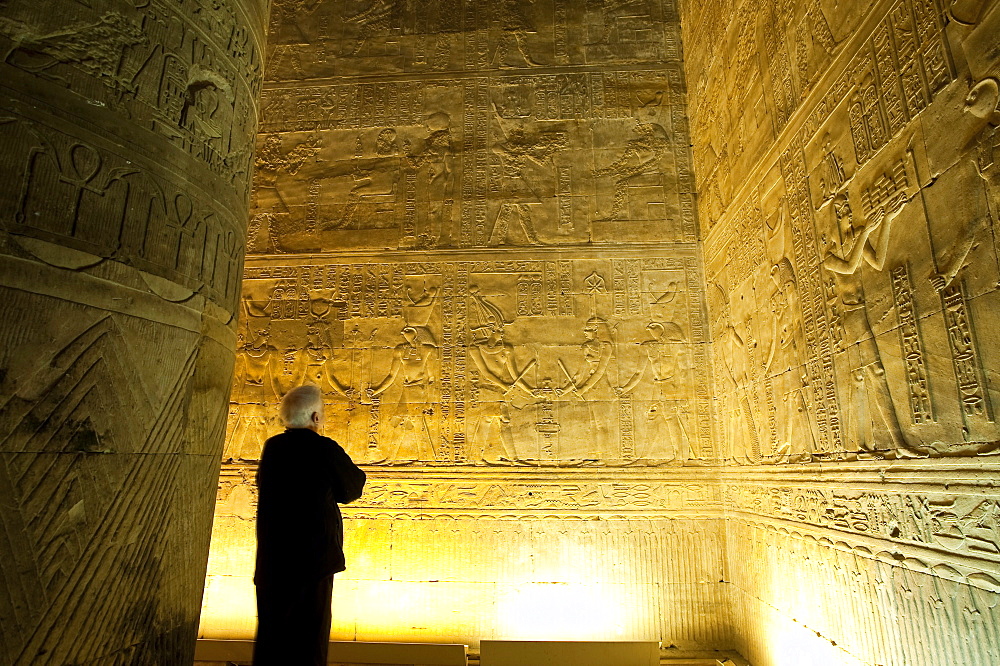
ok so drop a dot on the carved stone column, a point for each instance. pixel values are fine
(126, 148)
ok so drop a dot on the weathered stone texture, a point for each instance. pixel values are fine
(127, 136)
(846, 157)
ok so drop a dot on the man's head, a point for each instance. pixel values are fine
(302, 407)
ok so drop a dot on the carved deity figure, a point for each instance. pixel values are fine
(977, 228)
(414, 439)
(319, 353)
(515, 26)
(253, 392)
(592, 384)
(785, 368)
(642, 157)
(973, 229)
(666, 359)
(494, 358)
(434, 161)
(742, 435)
(272, 161)
(870, 415)
(517, 154)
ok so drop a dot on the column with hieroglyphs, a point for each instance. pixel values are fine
(127, 133)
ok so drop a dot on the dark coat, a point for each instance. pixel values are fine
(301, 478)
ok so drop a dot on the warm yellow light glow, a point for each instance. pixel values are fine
(563, 611)
(229, 608)
(466, 580)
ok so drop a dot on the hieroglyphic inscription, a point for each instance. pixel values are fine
(967, 524)
(964, 354)
(921, 410)
(814, 316)
(343, 106)
(117, 206)
(897, 73)
(651, 496)
(447, 348)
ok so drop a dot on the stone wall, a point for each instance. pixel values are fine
(848, 165)
(474, 226)
(126, 140)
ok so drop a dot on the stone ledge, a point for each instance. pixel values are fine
(345, 653)
(210, 652)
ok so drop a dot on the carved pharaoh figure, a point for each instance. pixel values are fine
(742, 435)
(272, 162)
(518, 154)
(872, 425)
(434, 161)
(501, 379)
(515, 26)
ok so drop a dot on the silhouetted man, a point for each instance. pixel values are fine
(300, 535)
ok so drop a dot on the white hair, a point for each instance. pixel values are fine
(299, 404)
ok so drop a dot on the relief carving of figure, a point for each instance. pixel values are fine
(515, 26)
(373, 24)
(319, 354)
(592, 384)
(95, 47)
(972, 229)
(785, 368)
(272, 161)
(974, 525)
(253, 391)
(372, 178)
(666, 358)
(977, 228)
(414, 438)
(434, 162)
(642, 157)
(742, 435)
(378, 176)
(872, 425)
(494, 358)
(519, 154)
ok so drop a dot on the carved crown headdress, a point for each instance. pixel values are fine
(482, 313)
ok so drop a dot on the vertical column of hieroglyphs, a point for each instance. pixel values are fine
(847, 161)
(474, 226)
(127, 134)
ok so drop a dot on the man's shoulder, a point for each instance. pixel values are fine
(327, 441)
(301, 437)
(293, 438)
